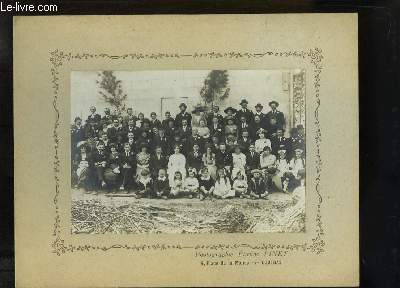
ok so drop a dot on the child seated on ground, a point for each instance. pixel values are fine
(177, 185)
(144, 184)
(206, 184)
(191, 184)
(161, 185)
(222, 187)
(257, 186)
(240, 185)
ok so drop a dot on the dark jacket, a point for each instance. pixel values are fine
(180, 116)
(193, 161)
(223, 159)
(252, 162)
(257, 186)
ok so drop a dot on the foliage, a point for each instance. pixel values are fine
(111, 90)
(215, 86)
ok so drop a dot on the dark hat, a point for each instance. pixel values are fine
(230, 109)
(243, 101)
(273, 102)
(259, 105)
(182, 104)
(77, 118)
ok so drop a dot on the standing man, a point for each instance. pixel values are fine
(215, 113)
(129, 116)
(154, 122)
(93, 117)
(167, 119)
(107, 118)
(275, 119)
(259, 113)
(248, 114)
(183, 115)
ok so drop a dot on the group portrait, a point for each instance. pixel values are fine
(224, 137)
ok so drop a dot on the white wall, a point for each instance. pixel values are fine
(145, 88)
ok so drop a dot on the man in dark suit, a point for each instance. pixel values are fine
(259, 113)
(215, 113)
(114, 131)
(243, 125)
(195, 138)
(77, 133)
(162, 141)
(223, 158)
(252, 159)
(129, 116)
(131, 128)
(215, 126)
(194, 158)
(107, 118)
(128, 167)
(275, 119)
(244, 141)
(168, 118)
(278, 141)
(183, 115)
(248, 114)
(93, 117)
(154, 122)
(99, 160)
(158, 161)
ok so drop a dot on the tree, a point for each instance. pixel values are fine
(215, 86)
(111, 90)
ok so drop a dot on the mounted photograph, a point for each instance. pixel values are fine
(188, 151)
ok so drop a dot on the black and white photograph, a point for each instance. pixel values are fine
(188, 151)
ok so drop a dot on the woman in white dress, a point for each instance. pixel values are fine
(176, 162)
(238, 162)
(209, 162)
(297, 163)
(262, 142)
(282, 166)
(223, 188)
(203, 130)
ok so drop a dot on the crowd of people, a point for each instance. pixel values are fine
(201, 154)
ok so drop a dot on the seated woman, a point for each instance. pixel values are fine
(238, 161)
(202, 130)
(191, 184)
(176, 162)
(177, 188)
(142, 160)
(209, 162)
(81, 165)
(240, 185)
(223, 188)
(262, 142)
(268, 165)
(112, 171)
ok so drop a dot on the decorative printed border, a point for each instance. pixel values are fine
(314, 56)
